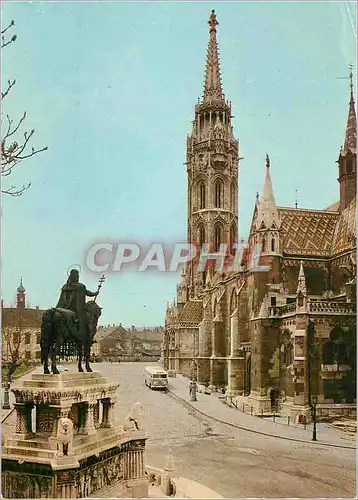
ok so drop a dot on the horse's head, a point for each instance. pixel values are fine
(93, 310)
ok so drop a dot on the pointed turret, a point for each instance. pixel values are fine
(301, 285)
(212, 83)
(350, 141)
(267, 213)
(347, 160)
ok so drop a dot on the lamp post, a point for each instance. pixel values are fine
(6, 402)
(314, 400)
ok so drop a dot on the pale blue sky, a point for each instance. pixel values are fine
(110, 89)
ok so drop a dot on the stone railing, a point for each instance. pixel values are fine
(325, 306)
(282, 310)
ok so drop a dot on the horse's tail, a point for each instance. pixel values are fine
(46, 333)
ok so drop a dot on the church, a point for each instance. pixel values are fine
(277, 336)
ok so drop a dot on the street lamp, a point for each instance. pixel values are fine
(314, 400)
(6, 402)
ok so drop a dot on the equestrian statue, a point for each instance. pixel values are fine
(70, 327)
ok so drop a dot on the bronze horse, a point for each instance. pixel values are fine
(59, 327)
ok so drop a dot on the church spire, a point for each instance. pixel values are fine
(212, 83)
(350, 141)
(267, 216)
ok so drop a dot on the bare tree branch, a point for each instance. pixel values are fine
(13, 151)
(13, 191)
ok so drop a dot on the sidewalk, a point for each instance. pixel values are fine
(211, 406)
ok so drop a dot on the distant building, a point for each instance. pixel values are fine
(118, 342)
(21, 330)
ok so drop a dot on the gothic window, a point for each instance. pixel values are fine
(27, 338)
(218, 237)
(348, 166)
(263, 247)
(289, 354)
(232, 238)
(328, 353)
(272, 245)
(233, 196)
(219, 194)
(201, 234)
(202, 200)
(233, 301)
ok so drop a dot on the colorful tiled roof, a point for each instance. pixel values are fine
(192, 312)
(345, 234)
(307, 232)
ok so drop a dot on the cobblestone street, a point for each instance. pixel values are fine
(233, 462)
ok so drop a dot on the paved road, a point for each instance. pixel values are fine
(233, 462)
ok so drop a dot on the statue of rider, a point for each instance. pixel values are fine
(73, 297)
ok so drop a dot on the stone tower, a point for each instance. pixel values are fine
(347, 161)
(20, 296)
(212, 168)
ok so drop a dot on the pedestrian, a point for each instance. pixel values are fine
(190, 387)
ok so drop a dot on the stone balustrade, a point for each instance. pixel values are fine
(325, 306)
(317, 307)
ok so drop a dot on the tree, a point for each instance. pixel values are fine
(13, 342)
(15, 146)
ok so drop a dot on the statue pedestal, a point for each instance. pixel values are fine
(76, 449)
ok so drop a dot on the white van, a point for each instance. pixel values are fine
(155, 377)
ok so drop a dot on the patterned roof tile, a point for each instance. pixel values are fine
(192, 312)
(307, 232)
(345, 235)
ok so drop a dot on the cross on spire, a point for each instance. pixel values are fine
(350, 141)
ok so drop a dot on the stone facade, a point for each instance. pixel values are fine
(283, 326)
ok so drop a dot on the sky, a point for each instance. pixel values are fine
(110, 89)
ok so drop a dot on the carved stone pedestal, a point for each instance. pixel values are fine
(71, 453)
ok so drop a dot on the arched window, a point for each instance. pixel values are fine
(218, 237)
(232, 238)
(201, 235)
(349, 166)
(218, 194)
(273, 245)
(263, 246)
(233, 301)
(289, 354)
(328, 353)
(233, 196)
(202, 197)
